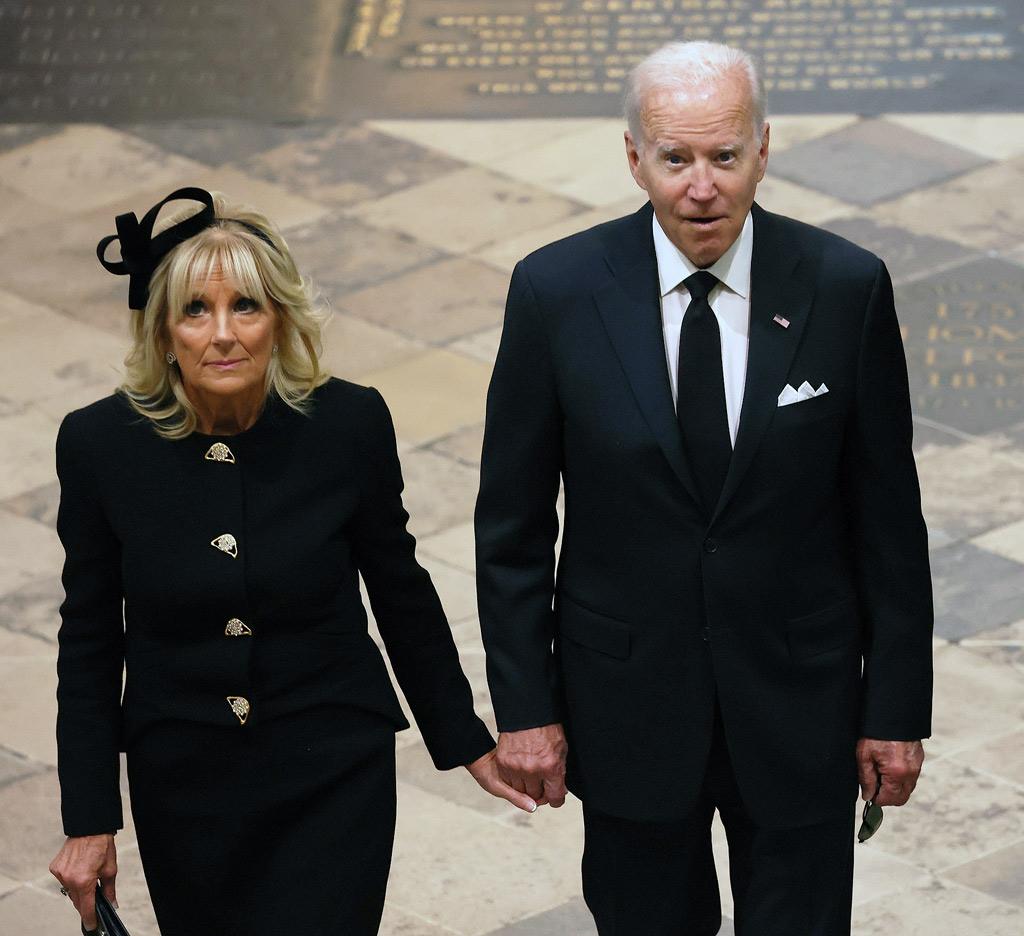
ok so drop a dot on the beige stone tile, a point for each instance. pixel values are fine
(1001, 756)
(975, 209)
(433, 394)
(787, 198)
(456, 786)
(588, 166)
(506, 253)
(397, 922)
(284, 208)
(87, 165)
(18, 211)
(439, 492)
(974, 700)
(436, 303)
(30, 820)
(455, 587)
(75, 396)
(955, 815)
(28, 551)
(28, 706)
(454, 546)
(437, 842)
(483, 346)
(47, 354)
(937, 908)
(464, 445)
(1007, 541)
(465, 210)
(467, 634)
(26, 452)
(991, 136)
(999, 874)
(876, 874)
(969, 489)
(481, 141)
(353, 347)
(788, 130)
(29, 910)
(6, 886)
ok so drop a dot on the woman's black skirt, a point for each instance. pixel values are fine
(285, 827)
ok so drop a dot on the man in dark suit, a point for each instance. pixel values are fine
(741, 615)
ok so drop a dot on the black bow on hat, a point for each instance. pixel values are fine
(141, 252)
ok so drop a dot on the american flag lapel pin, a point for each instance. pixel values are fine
(784, 322)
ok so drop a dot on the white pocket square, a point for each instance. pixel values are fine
(804, 392)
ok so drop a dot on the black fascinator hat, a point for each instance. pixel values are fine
(141, 252)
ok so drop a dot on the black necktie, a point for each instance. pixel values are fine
(700, 398)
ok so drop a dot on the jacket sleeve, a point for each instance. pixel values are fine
(406, 606)
(888, 531)
(516, 519)
(90, 660)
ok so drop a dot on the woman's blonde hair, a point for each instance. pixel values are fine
(251, 253)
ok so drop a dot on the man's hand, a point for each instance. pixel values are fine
(84, 860)
(897, 763)
(532, 761)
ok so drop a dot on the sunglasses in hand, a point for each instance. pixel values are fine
(871, 818)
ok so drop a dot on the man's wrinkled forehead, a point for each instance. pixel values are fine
(724, 114)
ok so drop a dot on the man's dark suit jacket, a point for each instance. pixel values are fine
(804, 601)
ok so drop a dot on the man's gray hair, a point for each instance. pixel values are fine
(688, 66)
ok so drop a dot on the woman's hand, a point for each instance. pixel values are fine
(485, 772)
(84, 860)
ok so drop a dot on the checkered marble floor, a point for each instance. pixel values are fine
(410, 229)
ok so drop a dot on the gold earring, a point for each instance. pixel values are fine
(171, 359)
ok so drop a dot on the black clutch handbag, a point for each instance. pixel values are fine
(108, 923)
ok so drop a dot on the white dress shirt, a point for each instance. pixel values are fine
(730, 301)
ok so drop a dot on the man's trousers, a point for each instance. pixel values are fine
(658, 878)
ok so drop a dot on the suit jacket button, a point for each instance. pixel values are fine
(710, 546)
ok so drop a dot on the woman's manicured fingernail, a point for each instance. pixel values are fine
(533, 806)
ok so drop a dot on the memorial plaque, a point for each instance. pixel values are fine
(964, 338)
(570, 57)
(457, 58)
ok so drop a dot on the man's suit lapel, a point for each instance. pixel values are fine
(630, 306)
(780, 285)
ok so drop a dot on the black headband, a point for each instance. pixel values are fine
(141, 252)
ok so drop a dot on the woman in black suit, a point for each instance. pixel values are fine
(216, 514)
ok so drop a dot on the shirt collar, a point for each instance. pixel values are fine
(732, 268)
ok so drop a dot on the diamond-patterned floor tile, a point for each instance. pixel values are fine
(436, 303)
(775, 193)
(939, 907)
(588, 166)
(215, 141)
(464, 445)
(353, 346)
(433, 394)
(88, 165)
(907, 255)
(871, 161)
(1000, 874)
(481, 141)
(569, 919)
(465, 210)
(975, 590)
(991, 136)
(977, 209)
(970, 489)
(342, 254)
(505, 254)
(347, 164)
